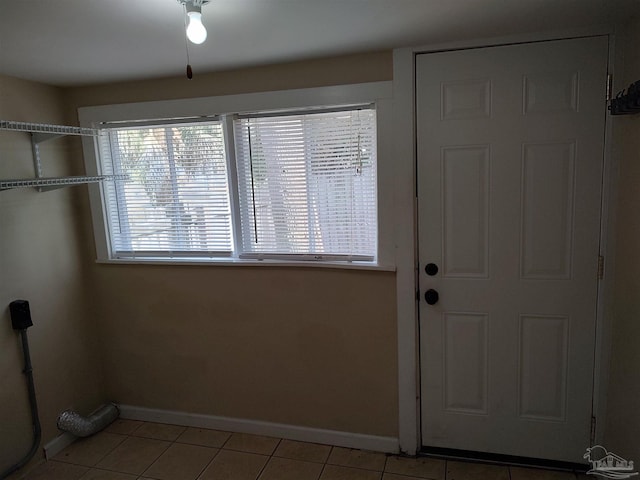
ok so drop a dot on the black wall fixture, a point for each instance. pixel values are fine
(21, 320)
(626, 102)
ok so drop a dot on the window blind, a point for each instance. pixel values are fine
(307, 184)
(176, 203)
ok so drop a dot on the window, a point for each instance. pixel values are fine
(288, 186)
(176, 202)
(307, 184)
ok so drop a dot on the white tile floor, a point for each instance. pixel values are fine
(132, 450)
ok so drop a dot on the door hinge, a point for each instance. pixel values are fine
(593, 431)
(609, 86)
(600, 267)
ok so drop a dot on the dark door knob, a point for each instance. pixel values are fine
(431, 296)
(431, 269)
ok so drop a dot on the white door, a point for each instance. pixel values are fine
(510, 153)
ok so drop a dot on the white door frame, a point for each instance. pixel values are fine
(406, 234)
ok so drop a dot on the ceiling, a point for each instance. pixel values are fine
(80, 42)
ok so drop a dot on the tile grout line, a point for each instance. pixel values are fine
(102, 469)
(126, 436)
(207, 465)
(176, 442)
(227, 440)
(384, 467)
(210, 461)
(116, 446)
(156, 459)
(324, 464)
(268, 460)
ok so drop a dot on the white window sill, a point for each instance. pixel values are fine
(235, 262)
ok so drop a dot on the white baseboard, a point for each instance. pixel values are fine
(58, 444)
(257, 427)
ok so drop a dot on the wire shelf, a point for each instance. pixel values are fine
(57, 181)
(46, 128)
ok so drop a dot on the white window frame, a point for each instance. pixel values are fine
(376, 93)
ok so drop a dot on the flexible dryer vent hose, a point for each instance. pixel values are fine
(76, 424)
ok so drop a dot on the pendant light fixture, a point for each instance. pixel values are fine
(194, 29)
(196, 32)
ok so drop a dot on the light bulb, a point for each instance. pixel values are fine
(195, 30)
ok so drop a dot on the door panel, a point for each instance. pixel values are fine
(510, 151)
(465, 217)
(548, 174)
(465, 362)
(543, 367)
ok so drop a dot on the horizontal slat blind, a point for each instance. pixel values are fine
(307, 185)
(176, 203)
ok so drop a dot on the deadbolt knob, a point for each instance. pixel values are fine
(431, 269)
(431, 296)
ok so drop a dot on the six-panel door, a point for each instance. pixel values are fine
(510, 153)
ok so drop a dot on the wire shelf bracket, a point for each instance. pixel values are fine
(42, 132)
(51, 183)
(46, 129)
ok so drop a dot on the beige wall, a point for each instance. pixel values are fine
(623, 416)
(308, 347)
(41, 260)
(367, 67)
(301, 346)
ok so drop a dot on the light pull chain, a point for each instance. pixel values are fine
(186, 42)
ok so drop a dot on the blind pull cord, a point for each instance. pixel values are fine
(359, 158)
(253, 191)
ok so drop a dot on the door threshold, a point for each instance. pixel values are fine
(498, 459)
